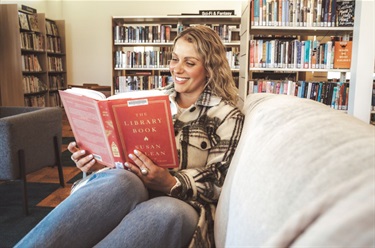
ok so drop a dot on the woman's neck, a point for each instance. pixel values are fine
(185, 100)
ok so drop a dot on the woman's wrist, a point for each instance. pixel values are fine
(175, 190)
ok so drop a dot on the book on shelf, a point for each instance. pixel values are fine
(342, 54)
(345, 13)
(111, 128)
(24, 23)
(51, 28)
(33, 21)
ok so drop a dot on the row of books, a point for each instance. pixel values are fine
(56, 82)
(32, 41)
(51, 28)
(35, 101)
(140, 82)
(142, 34)
(296, 54)
(303, 13)
(334, 94)
(30, 63)
(54, 99)
(233, 57)
(55, 64)
(53, 44)
(143, 59)
(160, 58)
(28, 21)
(32, 84)
(165, 33)
(35, 42)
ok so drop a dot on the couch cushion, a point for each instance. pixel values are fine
(292, 151)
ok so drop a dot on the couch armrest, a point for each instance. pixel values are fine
(292, 151)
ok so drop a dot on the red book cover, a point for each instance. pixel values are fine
(111, 128)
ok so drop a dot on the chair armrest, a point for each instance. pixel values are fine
(30, 129)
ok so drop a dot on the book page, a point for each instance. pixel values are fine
(84, 117)
(86, 92)
(137, 94)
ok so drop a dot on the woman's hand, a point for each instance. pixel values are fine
(153, 176)
(83, 161)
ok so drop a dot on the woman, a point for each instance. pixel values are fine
(148, 206)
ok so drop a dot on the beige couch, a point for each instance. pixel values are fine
(302, 176)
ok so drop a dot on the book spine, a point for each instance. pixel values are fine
(307, 59)
(113, 140)
(260, 13)
(256, 12)
(264, 11)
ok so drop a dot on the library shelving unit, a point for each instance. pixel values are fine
(142, 47)
(263, 25)
(297, 68)
(25, 77)
(56, 59)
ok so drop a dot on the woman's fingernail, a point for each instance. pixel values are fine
(126, 164)
(131, 156)
(136, 152)
(82, 152)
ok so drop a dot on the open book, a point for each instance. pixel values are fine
(111, 128)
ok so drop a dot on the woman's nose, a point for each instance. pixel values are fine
(176, 67)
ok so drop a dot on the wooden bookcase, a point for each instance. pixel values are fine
(142, 47)
(11, 89)
(56, 60)
(26, 75)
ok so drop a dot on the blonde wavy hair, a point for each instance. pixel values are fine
(212, 50)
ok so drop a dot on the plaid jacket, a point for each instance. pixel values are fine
(207, 134)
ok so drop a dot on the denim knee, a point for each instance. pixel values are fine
(175, 211)
(118, 182)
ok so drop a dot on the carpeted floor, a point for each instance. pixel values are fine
(44, 192)
(13, 223)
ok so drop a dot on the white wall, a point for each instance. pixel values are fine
(89, 30)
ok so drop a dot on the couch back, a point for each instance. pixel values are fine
(302, 175)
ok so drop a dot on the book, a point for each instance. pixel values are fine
(33, 21)
(345, 10)
(342, 54)
(111, 128)
(24, 23)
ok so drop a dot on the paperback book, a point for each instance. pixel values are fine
(111, 128)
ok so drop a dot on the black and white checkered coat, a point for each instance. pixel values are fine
(207, 134)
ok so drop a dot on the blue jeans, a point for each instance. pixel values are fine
(114, 210)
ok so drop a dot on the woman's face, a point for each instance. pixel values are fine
(186, 67)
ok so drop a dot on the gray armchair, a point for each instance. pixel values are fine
(30, 139)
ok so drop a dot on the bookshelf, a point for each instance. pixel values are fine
(26, 76)
(299, 50)
(56, 59)
(142, 47)
(359, 32)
